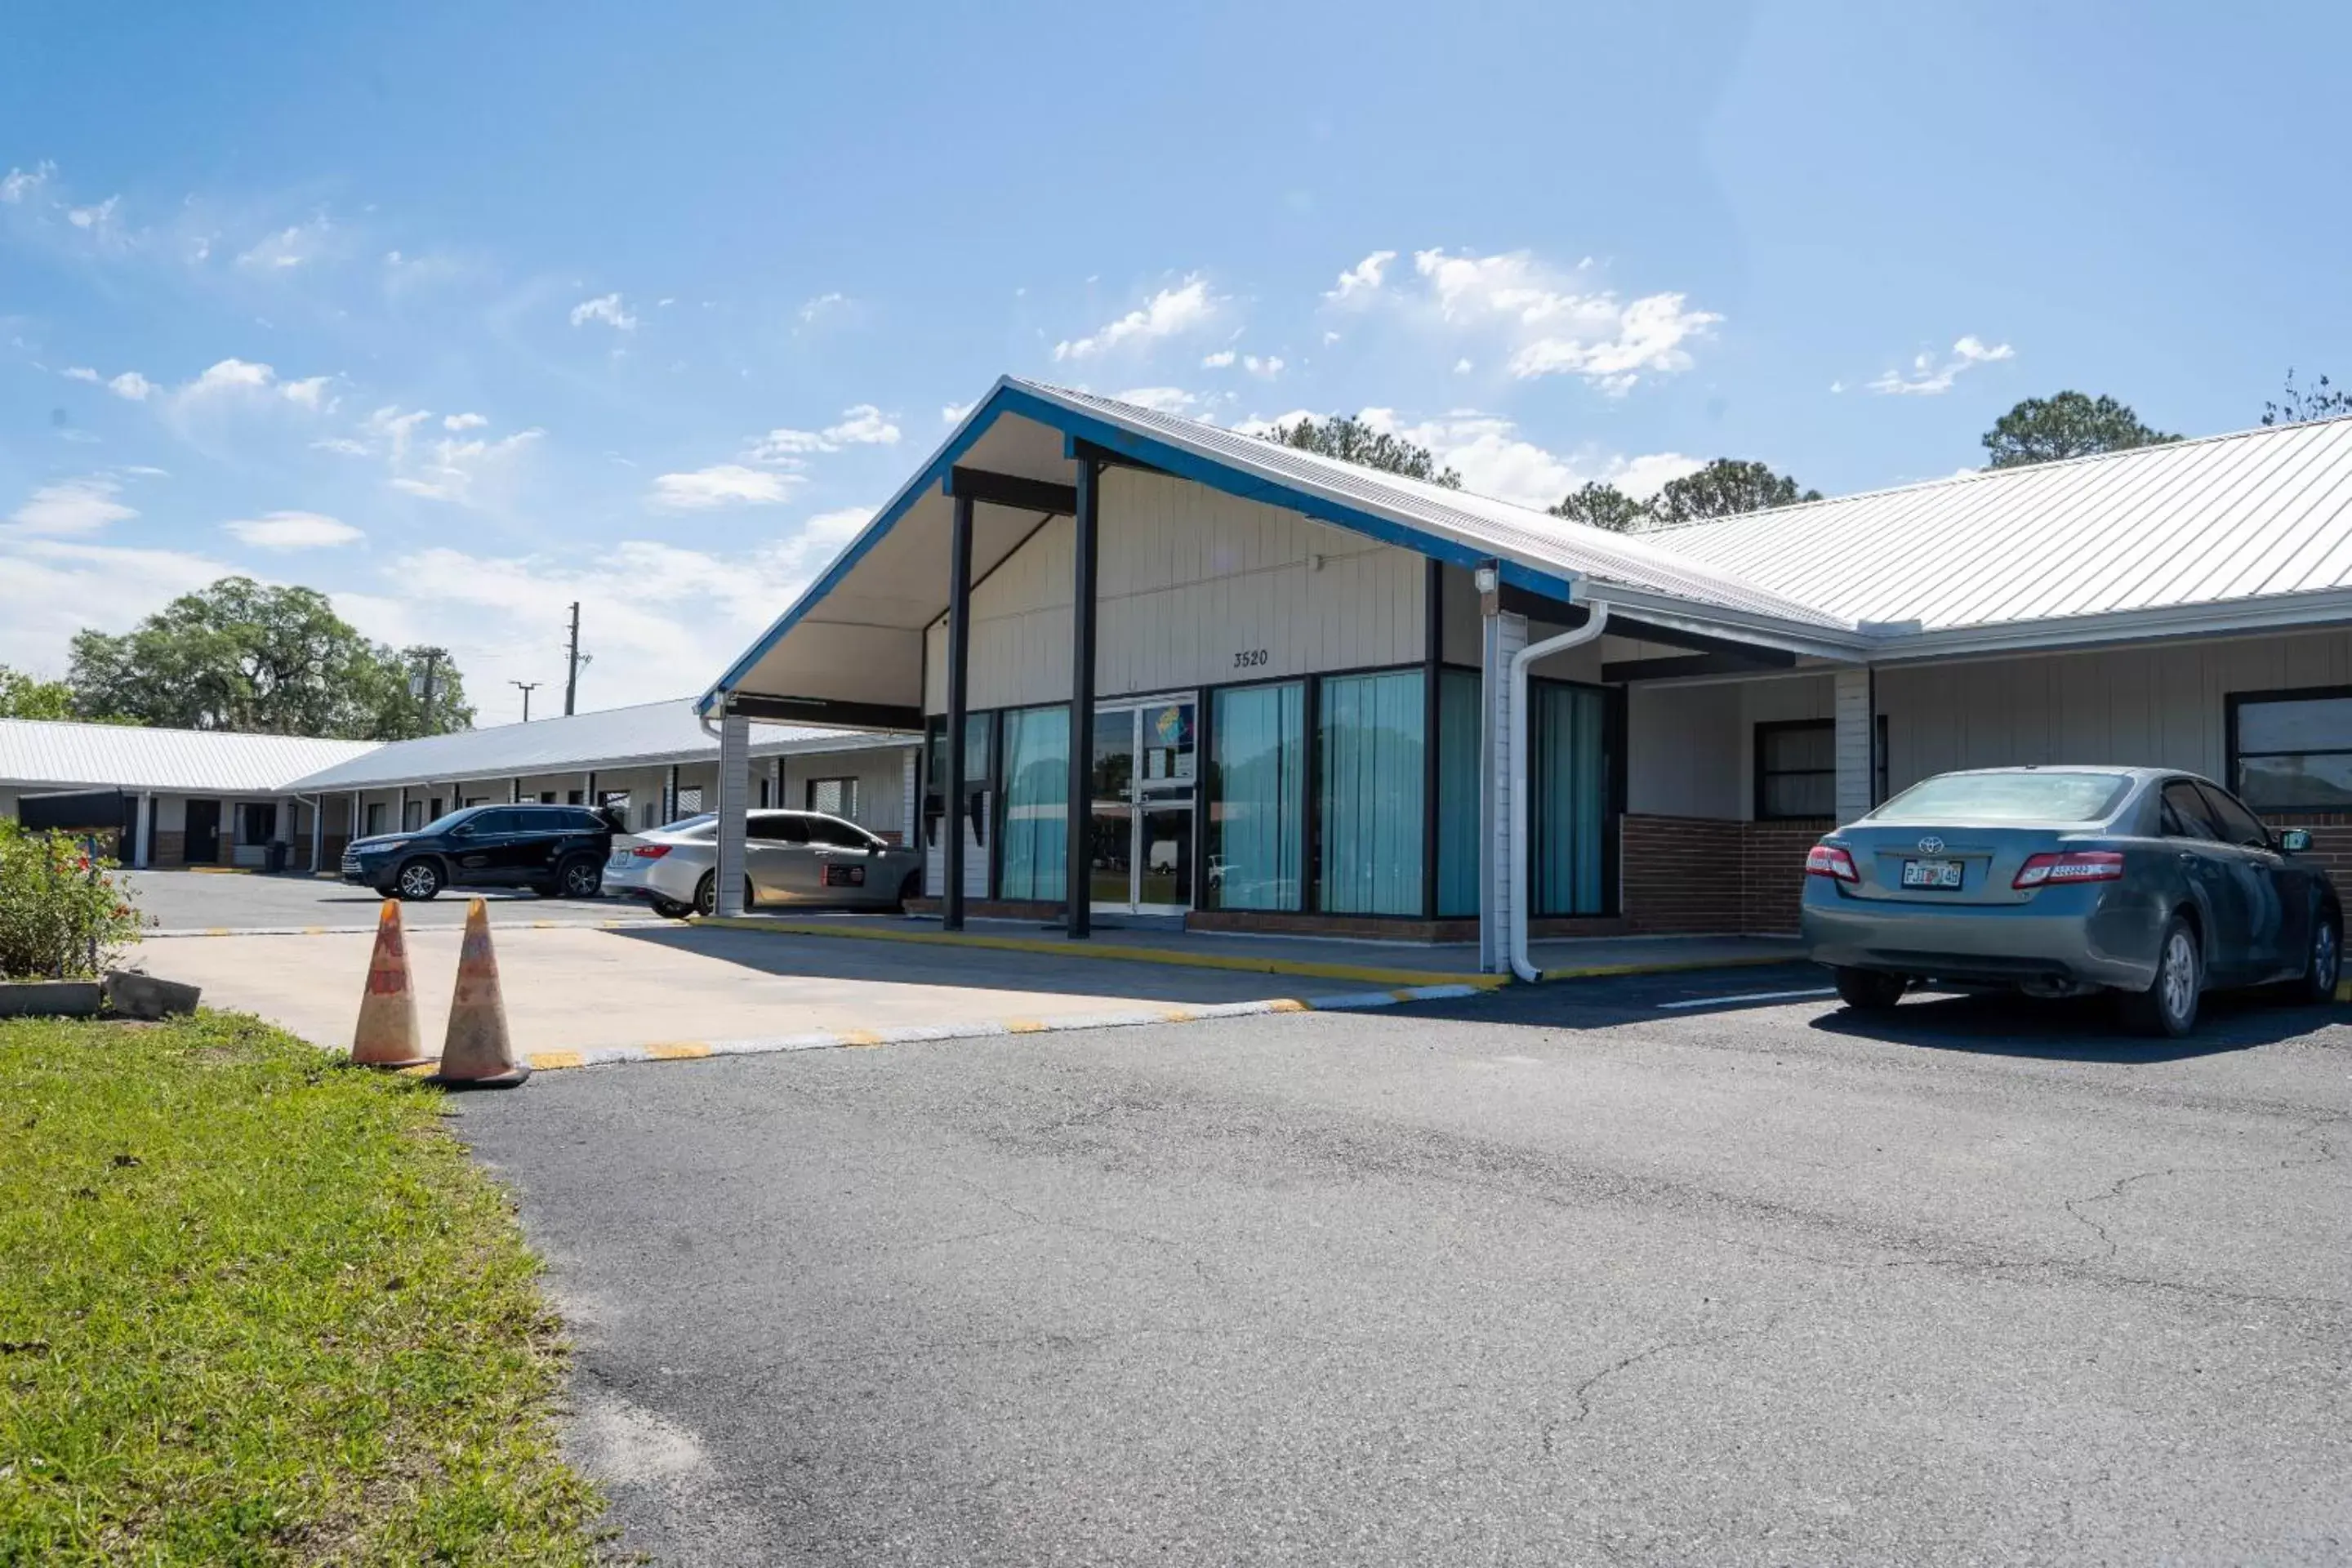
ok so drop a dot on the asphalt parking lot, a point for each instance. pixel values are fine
(203, 901)
(1564, 1274)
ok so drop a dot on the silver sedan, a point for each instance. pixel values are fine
(790, 857)
(2151, 884)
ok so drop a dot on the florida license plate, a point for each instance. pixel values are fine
(1931, 873)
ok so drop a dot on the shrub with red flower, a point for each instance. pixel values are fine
(62, 915)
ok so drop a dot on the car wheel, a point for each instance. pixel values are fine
(671, 910)
(706, 895)
(2168, 1006)
(581, 877)
(2323, 963)
(418, 881)
(1869, 991)
(911, 889)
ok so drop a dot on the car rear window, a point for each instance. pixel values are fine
(1967, 799)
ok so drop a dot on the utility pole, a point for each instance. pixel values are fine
(527, 687)
(420, 686)
(571, 663)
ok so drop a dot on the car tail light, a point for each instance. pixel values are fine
(2069, 866)
(1831, 861)
(650, 851)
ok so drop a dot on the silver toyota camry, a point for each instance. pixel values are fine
(790, 857)
(2057, 881)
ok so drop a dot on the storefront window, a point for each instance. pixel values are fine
(1370, 786)
(1568, 822)
(1457, 791)
(1257, 801)
(1036, 802)
(2294, 750)
(975, 748)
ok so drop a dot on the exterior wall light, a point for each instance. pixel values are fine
(1486, 578)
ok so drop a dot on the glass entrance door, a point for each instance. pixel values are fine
(1143, 784)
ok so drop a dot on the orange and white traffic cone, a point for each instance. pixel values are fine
(477, 1054)
(386, 1037)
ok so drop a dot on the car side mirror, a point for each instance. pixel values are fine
(2295, 841)
(463, 830)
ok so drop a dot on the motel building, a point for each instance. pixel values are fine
(1289, 694)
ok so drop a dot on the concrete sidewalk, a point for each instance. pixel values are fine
(1332, 958)
(587, 993)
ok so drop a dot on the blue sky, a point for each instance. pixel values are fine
(461, 315)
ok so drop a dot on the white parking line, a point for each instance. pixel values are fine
(1750, 996)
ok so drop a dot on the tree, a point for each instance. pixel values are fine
(263, 660)
(1603, 505)
(24, 696)
(1353, 441)
(2071, 424)
(1726, 488)
(2301, 407)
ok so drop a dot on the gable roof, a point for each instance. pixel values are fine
(57, 755)
(649, 733)
(855, 635)
(2225, 528)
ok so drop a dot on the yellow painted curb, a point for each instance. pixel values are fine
(1287, 1005)
(220, 870)
(1178, 1016)
(860, 1037)
(547, 1061)
(2344, 991)
(677, 1050)
(1246, 962)
(1024, 1026)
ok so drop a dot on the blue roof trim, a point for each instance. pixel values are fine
(1007, 397)
(975, 425)
(1218, 475)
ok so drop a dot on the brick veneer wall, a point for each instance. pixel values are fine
(1687, 874)
(2331, 840)
(169, 848)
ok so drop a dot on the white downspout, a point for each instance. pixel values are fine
(1514, 941)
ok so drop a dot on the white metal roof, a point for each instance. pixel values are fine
(649, 734)
(2145, 536)
(38, 754)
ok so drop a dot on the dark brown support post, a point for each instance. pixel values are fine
(1080, 892)
(959, 689)
(1432, 669)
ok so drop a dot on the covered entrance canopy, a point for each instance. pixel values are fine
(884, 639)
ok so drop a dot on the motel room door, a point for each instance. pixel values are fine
(202, 843)
(1144, 780)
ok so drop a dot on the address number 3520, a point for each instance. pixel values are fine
(1250, 658)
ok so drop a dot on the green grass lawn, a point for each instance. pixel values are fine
(257, 1306)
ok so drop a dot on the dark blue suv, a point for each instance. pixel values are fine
(556, 851)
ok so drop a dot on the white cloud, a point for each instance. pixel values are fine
(343, 444)
(132, 386)
(1363, 280)
(23, 183)
(93, 217)
(391, 428)
(52, 588)
(72, 505)
(607, 308)
(1553, 324)
(1184, 308)
(824, 305)
(287, 248)
(1926, 378)
(310, 391)
(229, 383)
(1463, 367)
(1268, 366)
(1218, 361)
(952, 413)
(453, 469)
(81, 373)
(1163, 399)
(292, 530)
(721, 484)
(464, 422)
(229, 375)
(861, 425)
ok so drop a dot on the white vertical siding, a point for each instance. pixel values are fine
(1853, 718)
(2159, 706)
(883, 777)
(1509, 636)
(1187, 579)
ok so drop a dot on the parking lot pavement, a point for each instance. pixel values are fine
(575, 989)
(1552, 1276)
(204, 900)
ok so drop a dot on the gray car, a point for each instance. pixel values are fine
(804, 857)
(2060, 881)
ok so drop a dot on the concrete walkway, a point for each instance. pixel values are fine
(1374, 963)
